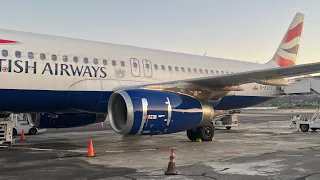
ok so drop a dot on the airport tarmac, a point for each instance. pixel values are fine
(262, 147)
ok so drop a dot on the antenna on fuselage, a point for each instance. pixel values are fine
(205, 54)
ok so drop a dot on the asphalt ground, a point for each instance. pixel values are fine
(263, 146)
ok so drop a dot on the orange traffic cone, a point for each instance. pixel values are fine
(171, 170)
(22, 135)
(90, 149)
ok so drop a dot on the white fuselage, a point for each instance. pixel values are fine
(109, 66)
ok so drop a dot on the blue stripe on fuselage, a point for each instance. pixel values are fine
(51, 101)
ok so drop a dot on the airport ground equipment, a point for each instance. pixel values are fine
(304, 124)
(6, 132)
(226, 121)
(23, 122)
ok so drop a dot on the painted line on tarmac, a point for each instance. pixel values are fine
(290, 155)
(85, 151)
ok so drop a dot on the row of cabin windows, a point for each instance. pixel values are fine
(54, 57)
(206, 71)
(105, 62)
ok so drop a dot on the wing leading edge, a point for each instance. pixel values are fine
(235, 79)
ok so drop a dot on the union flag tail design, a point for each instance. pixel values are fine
(287, 52)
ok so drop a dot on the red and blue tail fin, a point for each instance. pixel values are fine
(287, 52)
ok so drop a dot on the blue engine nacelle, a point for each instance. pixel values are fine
(149, 112)
(64, 120)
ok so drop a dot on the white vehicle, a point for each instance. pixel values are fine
(226, 121)
(6, 136)
(23, 122)
(143, 91)
(304, 124)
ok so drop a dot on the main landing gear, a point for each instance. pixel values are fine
(205, 133)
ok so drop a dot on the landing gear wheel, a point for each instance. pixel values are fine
(314, 129)
(33, 131)
(206, 132)
(228, 128)
(304, 127)
(192, 134)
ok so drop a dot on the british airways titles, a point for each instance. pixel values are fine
(19, 66)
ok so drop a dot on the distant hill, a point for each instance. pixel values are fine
(292, 101)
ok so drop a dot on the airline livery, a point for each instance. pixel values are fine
(141, 91)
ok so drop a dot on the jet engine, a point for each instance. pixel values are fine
(150, 112)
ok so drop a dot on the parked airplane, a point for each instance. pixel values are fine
(143, 91)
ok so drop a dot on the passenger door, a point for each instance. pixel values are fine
(135, 67)
(147, 68)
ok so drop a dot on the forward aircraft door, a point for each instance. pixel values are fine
(135, 67)
(147, 68)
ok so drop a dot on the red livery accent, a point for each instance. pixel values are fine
(293, 33)
(283, 62)
(255, 88)
(4, 41)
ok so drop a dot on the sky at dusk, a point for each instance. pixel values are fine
(248, 30)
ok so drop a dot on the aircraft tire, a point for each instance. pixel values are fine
(206, 132)
(192, 134)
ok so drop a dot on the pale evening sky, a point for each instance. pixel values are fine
(248, 30)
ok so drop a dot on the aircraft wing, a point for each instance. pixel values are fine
(235, 79)
(256, 75)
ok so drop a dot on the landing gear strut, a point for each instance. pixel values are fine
(205, 133)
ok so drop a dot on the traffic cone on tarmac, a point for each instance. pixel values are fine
(171, 170)
(22, 135)
(90, 149)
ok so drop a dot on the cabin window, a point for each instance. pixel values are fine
(195, 70)
(54, 57)
(211, 71)
(217, 72)
(170, 68)
(135, 65)
(105, 62)
(114, 63)
(147, 66)
(156, 67)
(85, 60)
(206, 71)
(4, 53)
(163, 68)
(176, 68)
(182, 69)
(123, 64)
(75, 59)
(42, 56)
(189, 70)
(65, 58)
(30, 55)
(222, 72)
(18, 54)
(201, 71)
(227, 72)
(95, 61)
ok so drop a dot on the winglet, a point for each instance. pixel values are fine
(287, 52)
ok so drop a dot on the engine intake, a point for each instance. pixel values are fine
(156, 112)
